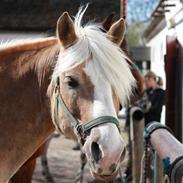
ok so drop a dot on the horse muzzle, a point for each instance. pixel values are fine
(104, 155)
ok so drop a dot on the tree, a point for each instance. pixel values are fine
(140, 10)
(134, 35)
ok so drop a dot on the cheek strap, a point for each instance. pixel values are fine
(81, 130)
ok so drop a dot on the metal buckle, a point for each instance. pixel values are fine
(57, 90)
(81, 134)
(80, 130)
(57, 87)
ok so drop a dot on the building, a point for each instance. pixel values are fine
(164, 36)
(141, 57)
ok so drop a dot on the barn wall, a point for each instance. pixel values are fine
(43, 14)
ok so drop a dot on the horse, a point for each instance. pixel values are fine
(34, 74)
(25, 173)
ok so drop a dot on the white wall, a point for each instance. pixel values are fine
(175, 18)
(158, 50)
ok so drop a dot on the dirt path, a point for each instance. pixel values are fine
(63, 162)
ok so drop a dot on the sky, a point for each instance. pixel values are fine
(140, 10)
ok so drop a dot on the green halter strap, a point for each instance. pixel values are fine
(81, 129)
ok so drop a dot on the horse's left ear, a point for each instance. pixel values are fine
(65, 30)
(117, 31)
(108, 21)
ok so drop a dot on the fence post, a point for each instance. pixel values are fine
(137, 141)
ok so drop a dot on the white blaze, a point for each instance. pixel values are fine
(103, 102)
(110, 141)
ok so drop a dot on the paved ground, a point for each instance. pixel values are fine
(63, 162)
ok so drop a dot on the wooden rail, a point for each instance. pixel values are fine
(169, 149)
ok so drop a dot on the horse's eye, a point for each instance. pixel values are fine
(72, 83)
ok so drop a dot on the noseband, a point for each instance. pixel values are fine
(81, 130)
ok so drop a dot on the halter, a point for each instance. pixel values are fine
(81, 130)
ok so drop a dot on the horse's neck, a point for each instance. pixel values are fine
(25, 120)
(25, 76)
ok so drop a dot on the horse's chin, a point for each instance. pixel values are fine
(104, 177)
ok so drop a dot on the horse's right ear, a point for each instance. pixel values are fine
(65, 30)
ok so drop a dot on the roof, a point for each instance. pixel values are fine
(158, 22)
(156, 25)
(43, 14)
(163, 7)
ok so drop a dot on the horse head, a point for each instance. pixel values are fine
(90, 79)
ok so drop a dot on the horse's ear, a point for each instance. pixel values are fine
(108, 21)
(65, 30)
(117, 31)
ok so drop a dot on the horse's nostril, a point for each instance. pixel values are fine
(99, 171)
(96, 152)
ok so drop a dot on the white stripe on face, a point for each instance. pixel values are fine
(107, 135)
(103, 101)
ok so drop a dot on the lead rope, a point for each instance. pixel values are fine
(121, 177)
(146, 161)
(155, 161)
(145, 157)
(166, 162)
(167, 180)
(83, 161)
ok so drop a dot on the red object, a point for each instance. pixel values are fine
(173, 69)
(124, 9)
